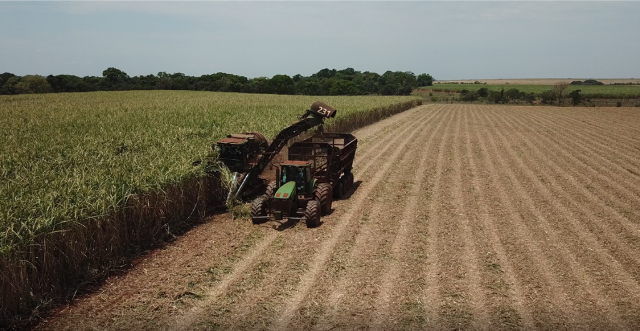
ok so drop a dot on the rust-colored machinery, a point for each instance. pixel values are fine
(248, 154)
(318, 170)
(239, 152)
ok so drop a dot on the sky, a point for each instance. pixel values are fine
(449, 40)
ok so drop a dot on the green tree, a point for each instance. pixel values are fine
(33, 84)
(282, 84)
(424, 80)
(513, 94)
(368, 83)
(558, 90)
(347, 74)
(388, 89)
(398, 82)
(179, 81)
(4, 77)
(405, 90)
(9, 87)
(530, 98)
(67, 83)
(343, 87)
(325, 73)
(483, 92)
(259, 85)
(309, 86)
(115, 79)
(548, 97)
(576, 97)
(164, 81)
(470, 96)
(94, 83)
(147, 82)
(592, 82)
(497, 97)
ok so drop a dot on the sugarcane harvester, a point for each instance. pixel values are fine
(248, 154)
(318, 170)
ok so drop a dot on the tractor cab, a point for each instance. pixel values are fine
(295, 189)
(296, 175)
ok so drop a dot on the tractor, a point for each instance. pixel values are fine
(318, 170)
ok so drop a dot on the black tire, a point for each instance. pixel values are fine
(258, 208)
(323, 195)
(312, 214)
(348, 182)
(271, 190)
(338, 190)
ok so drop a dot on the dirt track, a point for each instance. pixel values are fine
(463, 217)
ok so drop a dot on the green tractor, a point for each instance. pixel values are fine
(318, 170)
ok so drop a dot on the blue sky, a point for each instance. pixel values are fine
(449, 40)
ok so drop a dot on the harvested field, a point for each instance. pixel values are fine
(462, 217)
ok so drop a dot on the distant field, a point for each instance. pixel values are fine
(541, 81)
(609, 90)
(68, 157)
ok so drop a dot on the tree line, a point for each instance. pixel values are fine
(516, 96)
(324, 82)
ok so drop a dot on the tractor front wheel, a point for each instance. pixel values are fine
(312, 214)
(271, 190)
(259, 210)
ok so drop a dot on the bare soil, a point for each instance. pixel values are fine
(462, 217)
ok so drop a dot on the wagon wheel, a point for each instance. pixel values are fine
(338, 190)
(323, 195)
(348, 182)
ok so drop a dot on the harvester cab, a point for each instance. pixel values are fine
(241, 152)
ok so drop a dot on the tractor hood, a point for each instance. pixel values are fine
(286, 191)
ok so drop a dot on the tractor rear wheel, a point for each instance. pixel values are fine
(323, 195)
(312, 214)
(259, 209)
